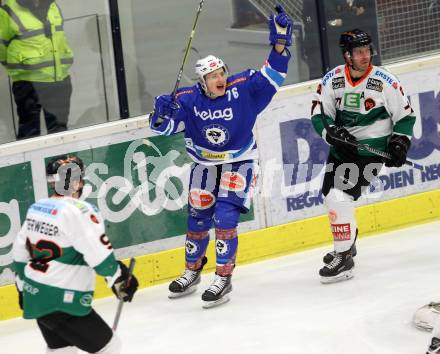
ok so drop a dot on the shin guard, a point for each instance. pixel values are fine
(341, 213)
(195, 249)
(226, 250)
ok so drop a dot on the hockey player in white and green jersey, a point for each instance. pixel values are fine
(60, 248)
(358, 102)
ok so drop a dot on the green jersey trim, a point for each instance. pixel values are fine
(71, 257)
(405, 126)
(40, 300)
(108, 267)
(349, 119)
(318, 125)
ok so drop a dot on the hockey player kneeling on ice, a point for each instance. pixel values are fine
(356, 102)
(217, 116)
(57, 253)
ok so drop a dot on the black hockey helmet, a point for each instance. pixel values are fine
(353, 39)
(62, 170)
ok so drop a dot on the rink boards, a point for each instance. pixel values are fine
(139, 184)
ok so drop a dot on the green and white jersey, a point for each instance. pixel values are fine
(57, 253)
(371, 108)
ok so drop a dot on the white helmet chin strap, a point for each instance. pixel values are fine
(211, 95)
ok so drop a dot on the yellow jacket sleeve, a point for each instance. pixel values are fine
(6, 33)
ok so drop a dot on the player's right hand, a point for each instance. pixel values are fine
(164, 109)
(125, 285)
(165, 106)
(20, 297)
(340, 138)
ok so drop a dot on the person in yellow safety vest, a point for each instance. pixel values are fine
(37, 58)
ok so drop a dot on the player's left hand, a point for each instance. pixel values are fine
(165, 106)
(20, 299)
(125, 286)
(398, 147)
(280, 28)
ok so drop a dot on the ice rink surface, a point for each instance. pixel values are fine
(279, 306)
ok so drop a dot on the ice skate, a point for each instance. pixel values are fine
(434, 348)
(340, 268)
(187, 283)
(329, 256)
(217, 292)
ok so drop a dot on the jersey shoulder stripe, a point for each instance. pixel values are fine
(184, 92)
(48, 207)
(276, 78)
(236, 81)
(385, 76)
(337, 71)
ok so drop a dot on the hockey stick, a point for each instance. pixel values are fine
(185, 56)
(365, 147)
(121, 302)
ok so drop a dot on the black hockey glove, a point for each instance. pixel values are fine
(20, 297)
(338, 137)
(398, 147)
(125, 286)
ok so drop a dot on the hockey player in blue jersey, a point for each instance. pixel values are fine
(217, 116)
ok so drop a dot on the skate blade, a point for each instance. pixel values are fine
(424, 326)
(211, 304)
(183, 293)
(348, 274)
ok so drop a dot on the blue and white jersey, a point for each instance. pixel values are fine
(220, 130)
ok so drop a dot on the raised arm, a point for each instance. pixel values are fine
(168, 116)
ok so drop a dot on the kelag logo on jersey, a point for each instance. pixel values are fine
(225, 114)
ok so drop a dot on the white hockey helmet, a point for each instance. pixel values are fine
(207, 65)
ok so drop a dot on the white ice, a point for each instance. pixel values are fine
(279, 306)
